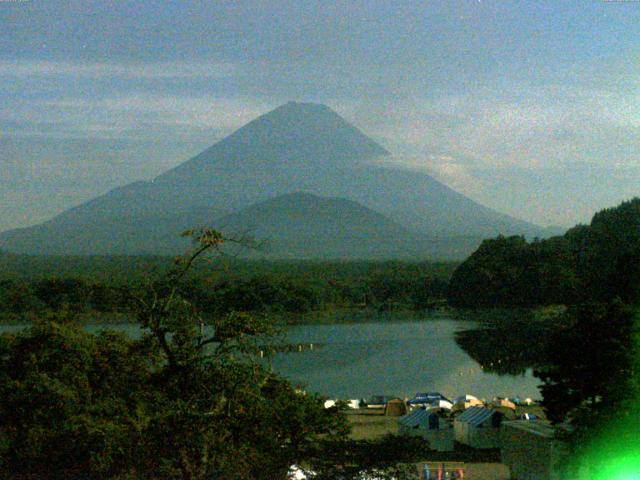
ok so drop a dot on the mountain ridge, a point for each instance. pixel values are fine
(300, 225)
(296, 147)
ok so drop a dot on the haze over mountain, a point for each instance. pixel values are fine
(302, 225)
(298, 147)
(530, 108)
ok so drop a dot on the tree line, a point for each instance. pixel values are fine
(590, 263)
(383, 287)
(587, 358)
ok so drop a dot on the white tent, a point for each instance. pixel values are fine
(329, 403)
(441, 404)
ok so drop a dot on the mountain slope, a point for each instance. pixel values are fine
(301, 225)
(296, 147)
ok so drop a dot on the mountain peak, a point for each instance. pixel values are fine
(298, 135)
(303, 110)
(302, 126)
(304, 106)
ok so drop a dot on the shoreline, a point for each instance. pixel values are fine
(332, 315)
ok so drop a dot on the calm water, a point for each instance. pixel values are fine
(392, 357)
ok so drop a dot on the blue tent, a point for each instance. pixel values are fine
(427, 398)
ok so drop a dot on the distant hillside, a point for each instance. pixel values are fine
(301, 225)
(296, 147)
(595, 262)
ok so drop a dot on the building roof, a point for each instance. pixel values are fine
(416, 418)
(426, 398)
(536, 428)
(475, 415)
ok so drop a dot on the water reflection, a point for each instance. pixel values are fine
(507, 343)
(455, 355)
(400, 358)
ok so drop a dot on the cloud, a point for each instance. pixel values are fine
(121, 100)
(462, 137)
(547, 153)
(190, 110)
(522, 126)
(99, 70)
(132, 116)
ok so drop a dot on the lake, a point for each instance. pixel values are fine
(394, 356)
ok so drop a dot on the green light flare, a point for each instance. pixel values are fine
(624, 468)
(613, 460)
(615, 455)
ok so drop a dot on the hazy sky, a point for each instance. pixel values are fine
(532, 108)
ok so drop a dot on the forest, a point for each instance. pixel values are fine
(177, 403)
(96, 288)
(598, 262)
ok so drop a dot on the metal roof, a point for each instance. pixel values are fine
(415, 418)
(475, 415)
(430, 396)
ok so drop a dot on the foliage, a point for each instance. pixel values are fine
(599, 262)
(387, 458)
(182, 401)
(261, 287)
(71, 402)
(590, 381)
(509, 347)
(590, 360)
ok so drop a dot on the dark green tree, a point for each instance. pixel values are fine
(72, 404)
(590, 382)
(185, 400)
(501, 272)
(599, 262)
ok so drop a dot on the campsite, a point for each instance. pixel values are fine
(311, 240)
(480, 457)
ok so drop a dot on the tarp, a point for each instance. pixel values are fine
(503, 402)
